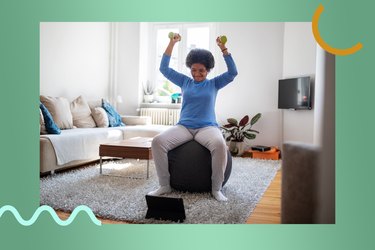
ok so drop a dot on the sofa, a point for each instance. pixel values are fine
(79, 127)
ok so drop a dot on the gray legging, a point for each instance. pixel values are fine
(209, 137)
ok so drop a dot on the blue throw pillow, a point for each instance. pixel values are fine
(114, 118)
(50, 124)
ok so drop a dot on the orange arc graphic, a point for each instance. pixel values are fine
(323, 44)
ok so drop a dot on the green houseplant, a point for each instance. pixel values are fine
(237, 133)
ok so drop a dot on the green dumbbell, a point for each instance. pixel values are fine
(223, 39)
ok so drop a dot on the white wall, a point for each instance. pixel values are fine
(299, 60)
(257, 49)
(128, 82)
(74, 59)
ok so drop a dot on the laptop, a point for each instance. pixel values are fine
(165, 208)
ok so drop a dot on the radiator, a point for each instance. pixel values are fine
(162, 116)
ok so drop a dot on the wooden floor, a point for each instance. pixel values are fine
(268, 210)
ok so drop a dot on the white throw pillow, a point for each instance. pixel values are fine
(59, 108)
(100, 117)
(81, 113)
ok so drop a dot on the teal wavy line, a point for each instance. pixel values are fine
(52, 212)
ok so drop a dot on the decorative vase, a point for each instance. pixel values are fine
(236, 148)
(148, 98)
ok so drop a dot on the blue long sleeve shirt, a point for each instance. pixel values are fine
(199, 98)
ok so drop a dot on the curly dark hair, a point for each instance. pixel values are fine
(201, 56)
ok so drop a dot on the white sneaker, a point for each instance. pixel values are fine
(218, 195)
(161, 190)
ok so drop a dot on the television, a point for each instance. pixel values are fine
(295, 93)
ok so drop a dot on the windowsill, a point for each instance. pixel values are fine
(161, 105)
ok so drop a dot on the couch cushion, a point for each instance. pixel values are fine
(100, 117)
(48, 121)
(143, 130)
(81, 113)
(136, 120)
(59, 108)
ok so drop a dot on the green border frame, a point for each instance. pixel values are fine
(342, 24)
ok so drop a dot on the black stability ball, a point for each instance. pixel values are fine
(190, 167)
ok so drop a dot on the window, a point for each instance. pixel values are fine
(194, 35)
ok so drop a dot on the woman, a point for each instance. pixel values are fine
(197, 118)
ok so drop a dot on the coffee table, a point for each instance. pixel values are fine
(134, 148)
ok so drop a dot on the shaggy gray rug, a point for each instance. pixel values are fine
(118, 198)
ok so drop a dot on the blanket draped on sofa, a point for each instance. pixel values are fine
(82, 143)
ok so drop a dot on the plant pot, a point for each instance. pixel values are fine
(236, 148)
(148, 98)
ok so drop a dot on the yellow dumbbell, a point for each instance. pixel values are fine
(223, 39)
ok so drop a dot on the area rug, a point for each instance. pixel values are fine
(119, 194)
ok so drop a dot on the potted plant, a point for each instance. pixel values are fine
(148, 91)
(237, 133)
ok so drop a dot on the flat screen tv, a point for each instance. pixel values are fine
(295, 93)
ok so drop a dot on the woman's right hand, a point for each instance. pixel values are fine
(173, 40)
(176, 38)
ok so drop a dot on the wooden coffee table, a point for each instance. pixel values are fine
(134, 148)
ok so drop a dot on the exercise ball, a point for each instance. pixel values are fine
(190, 167)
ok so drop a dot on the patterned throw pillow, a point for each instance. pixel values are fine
(114, 118)
(51, 126)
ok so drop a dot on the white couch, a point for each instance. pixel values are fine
(71, 131)
(80, 146)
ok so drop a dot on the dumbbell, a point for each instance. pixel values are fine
(223, 39)
(171, 35)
